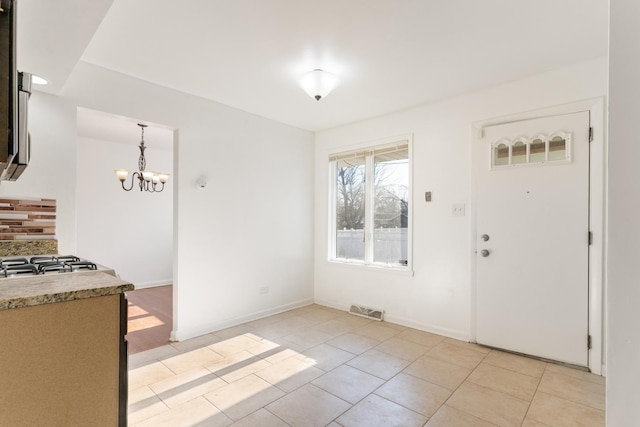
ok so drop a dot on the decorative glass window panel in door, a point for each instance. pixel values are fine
(537, 151)
(518, 153)
(557, 148)
(501, 155)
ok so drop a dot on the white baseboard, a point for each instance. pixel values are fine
(157, 283)
(411, 323)
(332, 304)
(185, 334)
(451, 333)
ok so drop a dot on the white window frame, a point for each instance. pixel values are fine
(369, 205)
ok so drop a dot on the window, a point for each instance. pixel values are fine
(538, 150)
(370, 200)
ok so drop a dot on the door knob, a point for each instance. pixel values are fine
(485, 253)
(484, 237)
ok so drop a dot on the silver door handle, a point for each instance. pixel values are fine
(485, 253)
(484, 237)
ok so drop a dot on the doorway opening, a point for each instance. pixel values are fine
(129, 231)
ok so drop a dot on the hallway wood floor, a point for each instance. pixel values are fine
(150, 318)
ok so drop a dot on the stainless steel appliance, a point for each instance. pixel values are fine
(15, 89)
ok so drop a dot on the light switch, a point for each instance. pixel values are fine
(427, 196)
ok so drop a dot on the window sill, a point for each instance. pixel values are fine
(401, 271)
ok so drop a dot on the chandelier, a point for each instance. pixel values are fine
(147, 181)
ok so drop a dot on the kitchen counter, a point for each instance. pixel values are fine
(11, 248)
(64, 350)
(52, 288)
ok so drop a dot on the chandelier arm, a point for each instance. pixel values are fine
(132, 181)
(127, 189)
(156, 185)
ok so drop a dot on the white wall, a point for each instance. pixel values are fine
(52, 172)
(437, 297)
(623, 296)
(251, 228)
(131, 232)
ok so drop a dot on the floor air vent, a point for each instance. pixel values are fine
(369, 313)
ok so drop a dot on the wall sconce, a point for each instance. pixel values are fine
(201, 183)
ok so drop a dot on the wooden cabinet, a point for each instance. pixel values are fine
(64, 363)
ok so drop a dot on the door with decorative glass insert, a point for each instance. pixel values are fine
(532, 200)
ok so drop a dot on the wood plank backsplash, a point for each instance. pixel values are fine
(27, 219)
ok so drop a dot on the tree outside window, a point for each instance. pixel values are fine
(372, 205)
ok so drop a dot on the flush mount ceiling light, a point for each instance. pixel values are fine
(318, 83)
(147, 181)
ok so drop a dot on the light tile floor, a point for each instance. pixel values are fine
(316, 366)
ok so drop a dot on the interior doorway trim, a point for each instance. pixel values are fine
(596, 108)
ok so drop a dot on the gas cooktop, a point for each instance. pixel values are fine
(46, 264)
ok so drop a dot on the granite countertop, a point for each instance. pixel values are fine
(12, 248)
(51, 288)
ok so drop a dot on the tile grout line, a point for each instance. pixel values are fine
(287, 393)
(368, 373)
(513, 370)
(354, 331)
(265, 408)
(370, 393)
(401, 371)
(157, 360)
(460, 385)
(535, 392)
(566, 399)
(400, 404)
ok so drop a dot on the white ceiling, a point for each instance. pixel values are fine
(389, 54)
(125, 130)
(53, 35)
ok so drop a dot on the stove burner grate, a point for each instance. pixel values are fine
(81, 265)
(11, 267)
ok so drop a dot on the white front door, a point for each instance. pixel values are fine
(532, 237)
